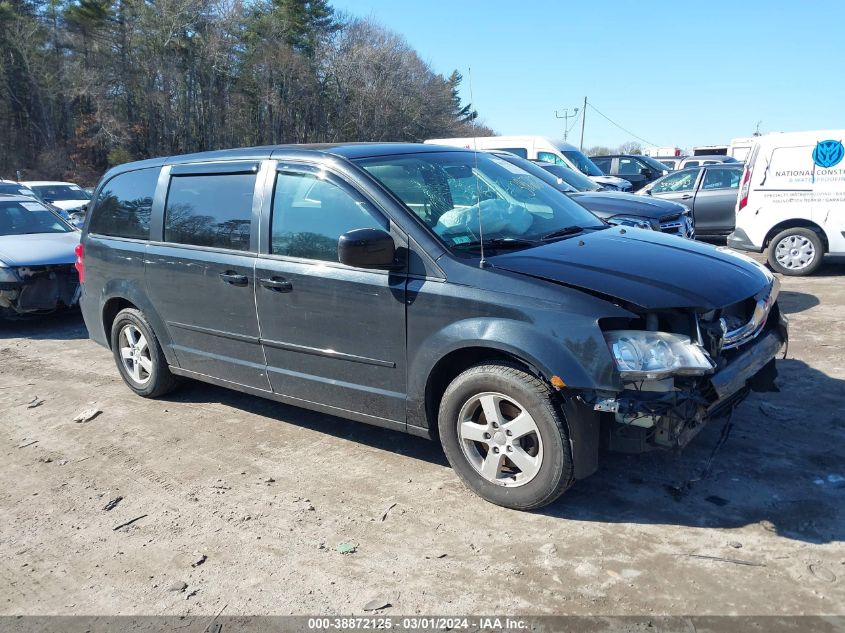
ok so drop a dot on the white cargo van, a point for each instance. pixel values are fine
(540, 148)
(792, 200)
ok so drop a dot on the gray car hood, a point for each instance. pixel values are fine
(38, 249)
(627, 203)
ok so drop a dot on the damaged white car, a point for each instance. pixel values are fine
(37, 272)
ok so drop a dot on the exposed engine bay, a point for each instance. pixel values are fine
(41, 289)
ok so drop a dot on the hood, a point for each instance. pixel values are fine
(39, 249)
(610, 203)
(69, 205)
(619, 183)
(645, 268)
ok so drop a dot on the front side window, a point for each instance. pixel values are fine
(679, 181)
(721, 179)
(548, 157)
(310, 213)
(123, 207)
(511, 204)
(27, 218)
(210, 210)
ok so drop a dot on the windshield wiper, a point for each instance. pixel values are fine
(497, 242)
(567, 230)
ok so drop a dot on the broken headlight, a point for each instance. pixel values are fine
(7, 274)
(641, 354)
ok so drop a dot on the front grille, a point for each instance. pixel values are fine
(677, 224)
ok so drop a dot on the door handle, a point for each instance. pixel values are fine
(234, 278)
(277, 283)
(686, 196)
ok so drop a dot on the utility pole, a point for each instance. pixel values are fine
(583, 121)
(566, 116)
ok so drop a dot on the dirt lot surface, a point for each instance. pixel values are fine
(245, 503)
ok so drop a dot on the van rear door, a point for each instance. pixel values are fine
(200, 270)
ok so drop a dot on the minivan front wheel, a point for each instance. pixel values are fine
(138, 355)
(504, 436)
(796, 251)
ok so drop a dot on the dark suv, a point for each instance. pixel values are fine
(636, 169)
(426, 289)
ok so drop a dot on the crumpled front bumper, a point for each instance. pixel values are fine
(646, 420)
(40, 290)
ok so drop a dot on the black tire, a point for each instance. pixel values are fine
(555, 473)
(798, 234)
(158, 380)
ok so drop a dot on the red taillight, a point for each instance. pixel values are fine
(744, 188)
(80, 251)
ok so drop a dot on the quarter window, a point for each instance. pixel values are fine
(210, 210)
(311, 213)
(124, 204)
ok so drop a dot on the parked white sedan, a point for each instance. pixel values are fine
(37, 257)
(64, 195)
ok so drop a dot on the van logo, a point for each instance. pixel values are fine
(828, 153)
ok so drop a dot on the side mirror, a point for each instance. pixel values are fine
(648, 191)
(366, 248)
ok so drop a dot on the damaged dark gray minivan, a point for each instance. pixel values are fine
(433, 290)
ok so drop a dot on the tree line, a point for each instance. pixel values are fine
(86, 84)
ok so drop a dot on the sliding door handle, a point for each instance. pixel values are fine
(277, 283)
(234, 278)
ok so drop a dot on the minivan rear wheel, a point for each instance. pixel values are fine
(504, 437)
(796, 251)
(138, 355)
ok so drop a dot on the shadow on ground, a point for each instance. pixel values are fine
(59, 326)
(792, 302)
(781, 467)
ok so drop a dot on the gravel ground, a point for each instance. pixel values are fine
(232, 501)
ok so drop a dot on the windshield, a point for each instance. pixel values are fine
(16, 190)
(24, 218)
(580, 160)
(574, 178)
(51, 193)
(448, 191)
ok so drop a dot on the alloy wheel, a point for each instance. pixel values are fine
(500, 439)
(135, 354)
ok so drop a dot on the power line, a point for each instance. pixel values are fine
(639, 138)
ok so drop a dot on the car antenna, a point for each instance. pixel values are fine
(482, 262)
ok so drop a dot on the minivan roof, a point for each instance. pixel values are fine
(345, 150)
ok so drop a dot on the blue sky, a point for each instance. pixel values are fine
(647, 65)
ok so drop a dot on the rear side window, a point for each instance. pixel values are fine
(603, 164)
(124, 204)
(210, 210)
(310, 214)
